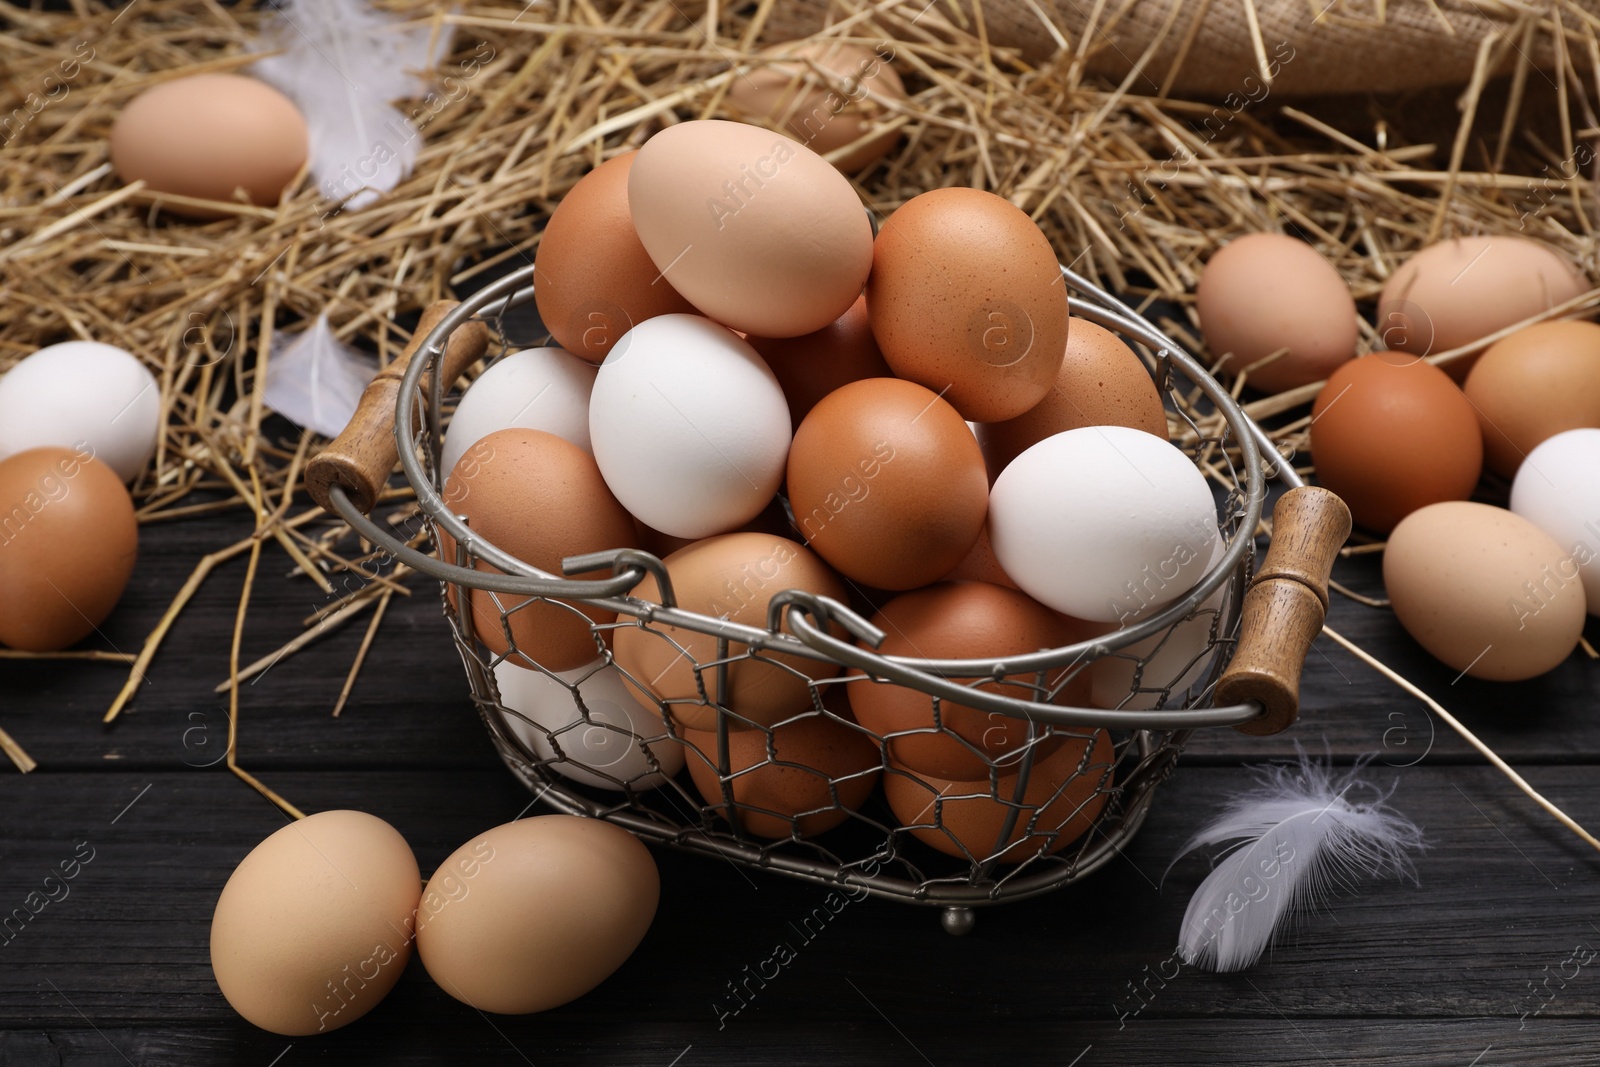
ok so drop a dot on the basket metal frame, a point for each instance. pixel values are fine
(808, 620)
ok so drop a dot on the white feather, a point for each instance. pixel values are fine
(315, 380)
(343, 63)
(1298, 835)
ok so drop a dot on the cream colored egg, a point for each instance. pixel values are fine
(314, 927)
(532, 914)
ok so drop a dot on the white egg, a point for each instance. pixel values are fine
(82, 392)
(1169, 662)
(536, 389)
(1103, 522)
(599, 751)
(689, 426)
(1557, 488)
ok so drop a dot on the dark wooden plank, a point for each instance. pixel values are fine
(1503, 898)
(877, 1041)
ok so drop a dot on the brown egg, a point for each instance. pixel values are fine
(812, 366)
(966, 298)
(314, 926)
(68, 539)
(1452, 293)
(1484, 590)
(823, 111)
(535, 913)
(1533, 385)
(981, 565)
(540, 498)
(1391, 434)
(834, 768)
(594, 280)
(963, 620)
(1268, 291)
(887, 483)
(205, 136)
(758, 231)
(1100, 383)
(734, 577)
(1066, 792)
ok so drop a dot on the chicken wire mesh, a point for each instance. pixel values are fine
(814, 794)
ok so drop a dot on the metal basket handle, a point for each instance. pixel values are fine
(361, 458)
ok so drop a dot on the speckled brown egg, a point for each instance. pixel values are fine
(734, 577)
(813, 365)
(1066, 792)
(540, 498)
(593, 279)
(68, 540)
(1484, 590)
(207, 135)
(806, 774)
(1266, 292)
(1533, 385)
(1100, 383)
(966, 298)
(822, 96)
(1391, 434)
(962, 620)
(1457, 291)
(887, 483)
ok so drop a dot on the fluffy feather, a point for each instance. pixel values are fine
(342, 62)
(1297, 834)
(314, 379)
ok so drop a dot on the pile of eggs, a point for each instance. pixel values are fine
(78, 420)
(753, 386)
(1495, 593)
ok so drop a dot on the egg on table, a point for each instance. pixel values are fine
(1557, 489)
(315, 925)
(1531, 386)
(1484, 590)
(535, 913)
(1390, 434)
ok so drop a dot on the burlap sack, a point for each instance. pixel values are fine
(1318, 46)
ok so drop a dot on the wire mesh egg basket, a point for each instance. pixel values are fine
(815, 795)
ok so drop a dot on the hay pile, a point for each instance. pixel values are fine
(1138, 189)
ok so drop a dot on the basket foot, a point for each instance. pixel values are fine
(958, 922)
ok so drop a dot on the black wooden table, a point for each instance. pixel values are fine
(1489, 960)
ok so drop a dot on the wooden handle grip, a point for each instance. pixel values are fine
(1285, 606)
(360, 458)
